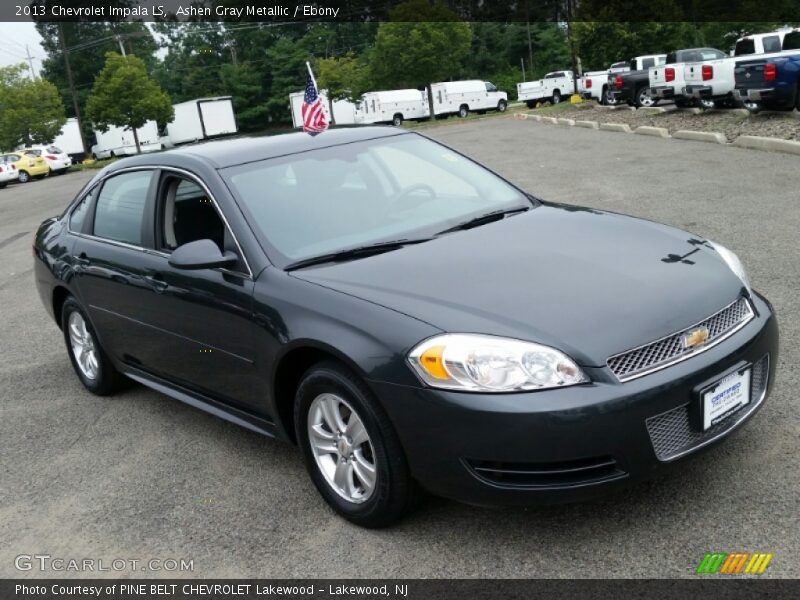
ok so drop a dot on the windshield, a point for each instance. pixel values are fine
(341, 197)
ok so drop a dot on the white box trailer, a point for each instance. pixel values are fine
(118, 141)
(393, 106)
(200, 119)
(69, 139)
(461, 97)
(344, 111)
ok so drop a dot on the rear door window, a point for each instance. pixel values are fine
(120, 207)
(792, 41)
(772, 43)
(648, 62)
(78, 216)
(745, 47)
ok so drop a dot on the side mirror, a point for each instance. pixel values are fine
(201, 254)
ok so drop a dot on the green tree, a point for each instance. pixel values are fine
(345, 77)
(31, 111)
(422, 44)
(125, 96)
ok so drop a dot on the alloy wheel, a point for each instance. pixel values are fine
(645, 99)
(342, 448)
(83, 347)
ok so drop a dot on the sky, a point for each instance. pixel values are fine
(13, 37)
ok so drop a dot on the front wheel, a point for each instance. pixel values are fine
(350, 448)
(91, 363)
(24, 177)
(501, 106)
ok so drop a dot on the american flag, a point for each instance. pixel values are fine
(312, 111)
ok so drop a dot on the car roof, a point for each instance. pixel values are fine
(244, 149)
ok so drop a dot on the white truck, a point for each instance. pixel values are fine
(551, 88)
(344, 111)
(69, 139)
(200, 119)
(393, 106)
(461, 97)
(119, 141)
(667, 80)
(711, 82)
(594, 84)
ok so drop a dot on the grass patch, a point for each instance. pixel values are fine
(91, 164)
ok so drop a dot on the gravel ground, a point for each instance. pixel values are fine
(732, 123)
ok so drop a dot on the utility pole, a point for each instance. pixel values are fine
(71, 83)
(530, 44)
(121, 45)
(30, 61)
(522, 62)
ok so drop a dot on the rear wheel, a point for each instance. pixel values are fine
(530, 103)
(397, 120)
(463, 111)
(3, 184)
(556, 97)
(91, 363)
(753, 107)
(683, 103)
(350, 448)
(24, 177)
(501, 106)
(706, 103)
(607, 99)
(643, 98)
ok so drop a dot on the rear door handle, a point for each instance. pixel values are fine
(81, 259)
(156, 282)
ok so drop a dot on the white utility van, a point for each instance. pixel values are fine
(118, 141)
(461, 97)
(344, 111)
(393, 106)
(552, 88)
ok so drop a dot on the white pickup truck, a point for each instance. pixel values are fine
(594, 84)
(667, 80)
(551, 88)
(711, 81)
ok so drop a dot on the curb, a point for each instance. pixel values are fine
(620, 127)
(701, 136)
(653, 131)
(551, 120)
(767, 143)
(587, 124)
(652, 110)
(567, 122)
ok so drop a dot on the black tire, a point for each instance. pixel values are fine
(753, 107)
(108, 379)
(463, 111)
(94, 156)
(501, 106)
(706, 104)
(23, 176)
(639, 98)
(556, 98)
(682, 103)
(4, 184)
(397, 120)
(797, 97)
(395, 492)
(530, 103)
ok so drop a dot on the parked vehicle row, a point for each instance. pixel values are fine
(395, 106)
(35, 162)
(552, 87)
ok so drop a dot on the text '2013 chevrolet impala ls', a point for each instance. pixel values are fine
(406, 316)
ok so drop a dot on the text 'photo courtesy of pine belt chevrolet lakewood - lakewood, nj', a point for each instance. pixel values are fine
(410, 319)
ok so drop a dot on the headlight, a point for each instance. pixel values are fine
(483, 363)
(734, 264)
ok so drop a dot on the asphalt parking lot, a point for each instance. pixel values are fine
(141, 476)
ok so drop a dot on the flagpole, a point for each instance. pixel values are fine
(311, 74)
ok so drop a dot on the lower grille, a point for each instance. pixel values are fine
(672, 435)
(547, 475)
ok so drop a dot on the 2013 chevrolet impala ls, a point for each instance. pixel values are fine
(406, 316)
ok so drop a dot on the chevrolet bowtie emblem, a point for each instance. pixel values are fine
(695, 337)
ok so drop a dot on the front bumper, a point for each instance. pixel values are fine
(572, 443)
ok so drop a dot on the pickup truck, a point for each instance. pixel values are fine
(771, 81)
(551, 88)
(667, 80)
(595, 83)
(633, 87)
(712, 81)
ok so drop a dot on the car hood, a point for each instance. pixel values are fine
(588, 282)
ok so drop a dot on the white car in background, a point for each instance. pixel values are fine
(58, 160)
(8, 173)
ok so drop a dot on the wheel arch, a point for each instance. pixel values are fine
(60, 295)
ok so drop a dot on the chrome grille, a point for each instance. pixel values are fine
(672, 435)
(668, 350)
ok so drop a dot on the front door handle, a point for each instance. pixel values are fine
(81, 259)
(156, 282)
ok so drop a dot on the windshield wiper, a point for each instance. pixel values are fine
(357, 252)
(495, 215)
